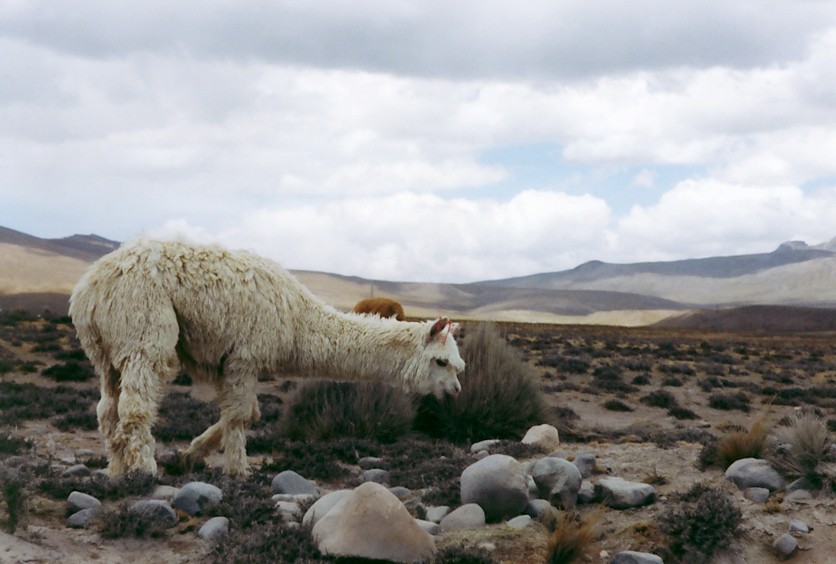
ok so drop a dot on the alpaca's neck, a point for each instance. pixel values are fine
(349, 347)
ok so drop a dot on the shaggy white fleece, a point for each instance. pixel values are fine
(152, 308)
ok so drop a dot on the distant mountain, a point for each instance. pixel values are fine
(82, 247)
(794, 273)
(38, 274)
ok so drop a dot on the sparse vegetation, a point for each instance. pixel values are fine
(500, 397)
(803, 450)
(704, 521)
(742, 444)
(15, 495)
(322, 410)
(571, 538)
(737, 400)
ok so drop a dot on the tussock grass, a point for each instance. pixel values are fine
(323, 410)
(743, 444)
(803, 449)
(572, 537)
(500, 397)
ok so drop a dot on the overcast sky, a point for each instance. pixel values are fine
(423, 140)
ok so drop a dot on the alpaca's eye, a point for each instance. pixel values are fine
(441, 362)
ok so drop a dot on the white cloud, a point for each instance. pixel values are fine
(709, 218)
(409, 236)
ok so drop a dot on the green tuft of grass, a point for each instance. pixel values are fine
(803, 448)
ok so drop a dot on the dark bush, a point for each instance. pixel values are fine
(69, 372)
(15, 493)
(640, 380)
(28, 401)
(682, 413)
(461, 554)
(500, 397)
(267, 543)
(738, 400)
(9, 444)
(182, 417)
(672, 381)
(84, 420)
(123, 522)
(705, 521)
(659, 398)
(323, 410)
(617, 405)
(57, 486)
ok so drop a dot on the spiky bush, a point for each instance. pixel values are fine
(571, 538)
(802, 450)
(743, 444)
(323, 410)
(500, 397)
(705, 520)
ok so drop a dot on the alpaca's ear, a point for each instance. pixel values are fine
(437, 328)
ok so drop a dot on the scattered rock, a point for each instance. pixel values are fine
(585, 463)
(756, 495)
(164, 492)
(754, 473)
(498, 484)
(544, 436)
(155, 512)
(618, 493)
(376, 475)
(82, 519)
(436, 514)
(214, 529)
(785, 545)
(76, 471)
(538, 509)
(372, 523)
(631, 557)
(798, 496)
(289, 510)
(369, 462)
(468, 516)
(432, 528)
(292, 483)
(520, 522)
(586, 493)
(322, 506)
(798, 527)
(558, 481)
(400, 492)
(196, 497)
(78, 501)
(483, 445)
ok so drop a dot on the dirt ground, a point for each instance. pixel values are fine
(636, 445)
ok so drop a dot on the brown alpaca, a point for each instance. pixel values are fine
(384, 307)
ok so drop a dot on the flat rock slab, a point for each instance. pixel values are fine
(618, 493)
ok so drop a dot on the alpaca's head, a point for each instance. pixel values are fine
(441, 360)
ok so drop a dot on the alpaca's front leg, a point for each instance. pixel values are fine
(239, 409)
(137, 409)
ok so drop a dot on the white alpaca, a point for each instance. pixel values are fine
(147, 309)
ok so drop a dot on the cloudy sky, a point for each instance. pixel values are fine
(423, 139)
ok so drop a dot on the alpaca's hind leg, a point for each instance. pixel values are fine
(108, 416)
(239, 409)
(137, 409)
(202, 445)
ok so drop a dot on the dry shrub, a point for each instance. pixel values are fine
(706, 520)
(322, 410)
(803, 450)
(572, 537)
(743, 444)
(500, 397)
